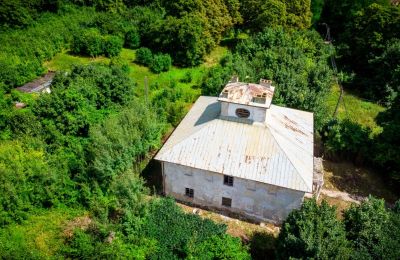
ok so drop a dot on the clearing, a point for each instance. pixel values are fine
(355, 109)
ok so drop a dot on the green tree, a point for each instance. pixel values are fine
(132, 39)
(120, 138)
(372, 230)
(313, 232)
(387, 143)
(259, 15)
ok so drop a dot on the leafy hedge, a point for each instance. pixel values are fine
(368, 231)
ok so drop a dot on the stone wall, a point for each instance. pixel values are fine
(254, 200)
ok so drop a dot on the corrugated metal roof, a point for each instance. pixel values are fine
(39, 84)
(279, 152)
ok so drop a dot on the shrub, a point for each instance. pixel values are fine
(112, 46)
(144, 56)
(178, 233)
(346, 138)
(88, 42)
(132, 39)
(187, 78)
(161, 62)
(26, 181)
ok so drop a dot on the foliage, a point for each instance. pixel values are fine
(169, 104)
(26, 181)
(132, 39)
(89, 42)
(295, 61)
(92, 243)
(388, 142)
(17, 13)
(161, 62)
(364, 31)
(144, 56)
(346, 138)
(119, 138)
(38, 237)
(187, 30)
(259, 15)
(92, 43)
(112, 46)
(220, 247)
(23, 51)
(179, 234)
(313, 232)
(373, 230)
(316, 10)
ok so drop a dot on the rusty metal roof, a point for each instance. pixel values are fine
(279, 152)
(259, 95)
(39, 84)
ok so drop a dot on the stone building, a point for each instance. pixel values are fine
(239, 153)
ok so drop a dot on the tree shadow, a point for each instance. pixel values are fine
(262, 246)
(360, 181)
(152, 174)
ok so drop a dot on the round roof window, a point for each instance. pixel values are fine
(242, 113)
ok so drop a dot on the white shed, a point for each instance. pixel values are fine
(241, 154)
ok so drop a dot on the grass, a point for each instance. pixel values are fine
(356, 109)
(40, 236)
(65, 60)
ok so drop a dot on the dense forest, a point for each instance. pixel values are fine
(78, 152)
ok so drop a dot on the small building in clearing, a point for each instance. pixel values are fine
(39, 85)
(239, 153)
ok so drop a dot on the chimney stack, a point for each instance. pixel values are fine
(265, 82)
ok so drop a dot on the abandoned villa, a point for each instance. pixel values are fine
(241, 154)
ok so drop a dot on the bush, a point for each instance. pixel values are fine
(88, 42)
(112, 46)
(347, 139)
(187, 78)
(161, 62)
(144, 56)
(132, 39)
(26, 181)
(181, 235)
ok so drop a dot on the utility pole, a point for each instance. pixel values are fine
(146, 90)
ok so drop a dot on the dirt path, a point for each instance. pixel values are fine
(343, 196)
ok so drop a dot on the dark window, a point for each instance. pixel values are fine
(227, 202)
(243, 113)
(189, 192)
(228, 180)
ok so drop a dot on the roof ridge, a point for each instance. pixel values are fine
(288, 157)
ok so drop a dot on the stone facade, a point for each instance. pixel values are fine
(254, 200)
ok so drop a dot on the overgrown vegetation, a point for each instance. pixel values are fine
(76, 152)
(295, 61)
(368, 231)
